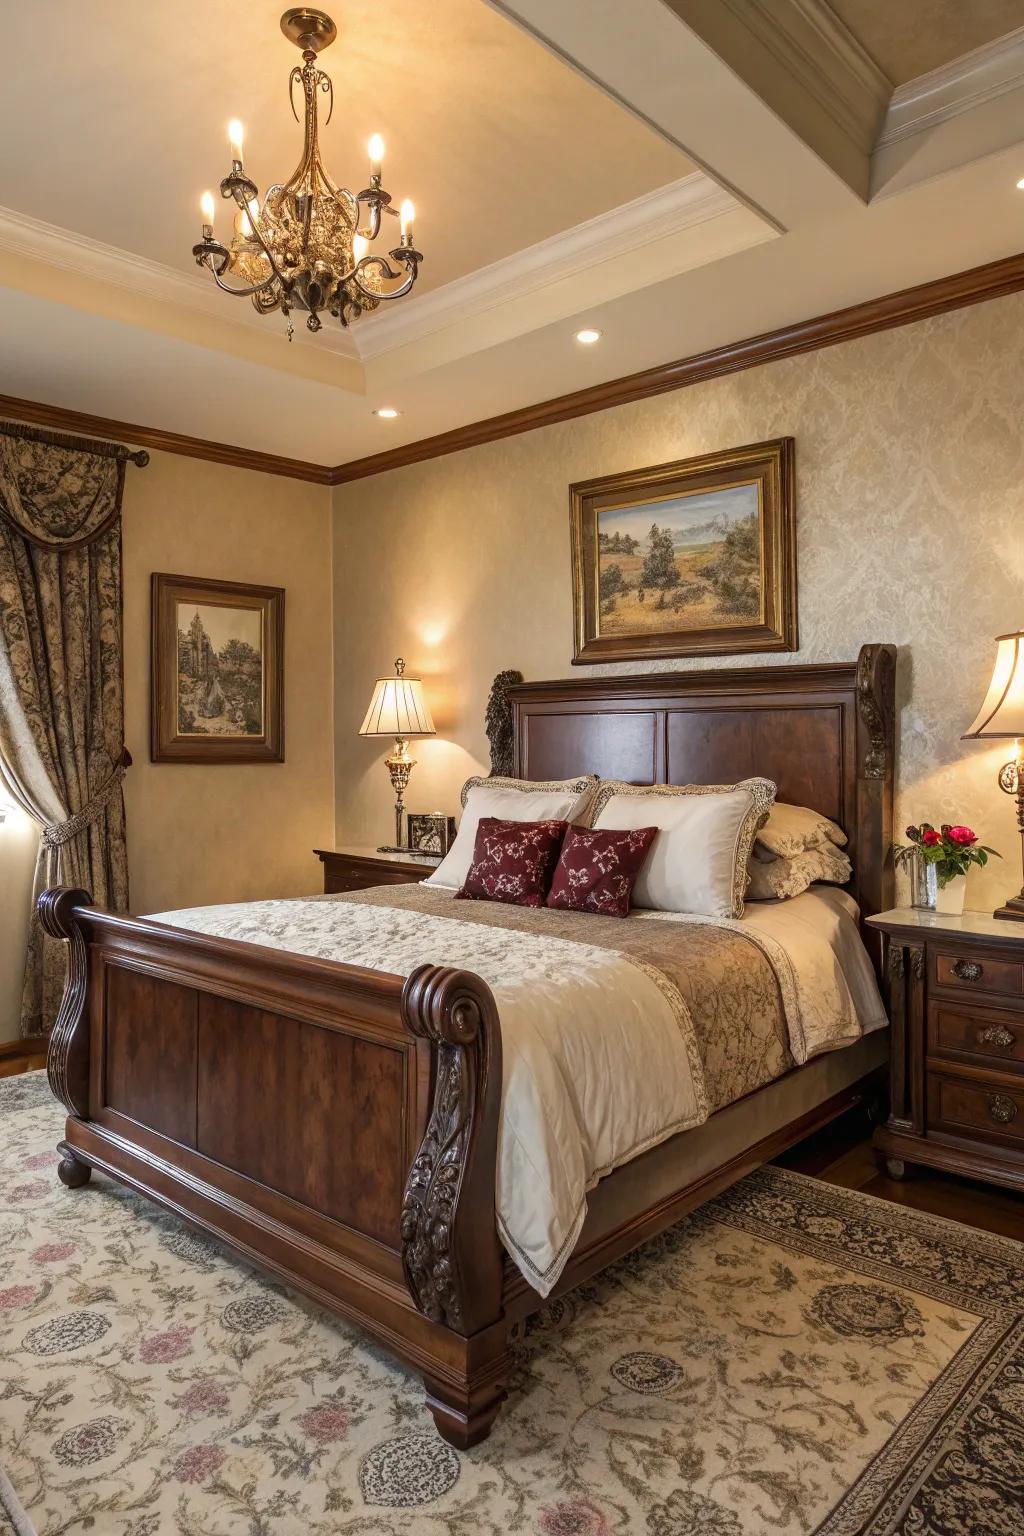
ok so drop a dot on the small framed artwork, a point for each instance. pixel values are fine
(430, 831)
(695, 558)
(217, 671)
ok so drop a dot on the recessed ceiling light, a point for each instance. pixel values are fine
(588, 336)
(1020, 185)
(386, 413)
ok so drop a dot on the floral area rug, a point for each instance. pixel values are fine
(791, 1358)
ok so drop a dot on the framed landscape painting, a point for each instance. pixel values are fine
(217, 671)
(695, 558)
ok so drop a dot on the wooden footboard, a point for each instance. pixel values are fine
(336, 1125)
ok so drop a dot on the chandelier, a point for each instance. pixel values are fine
(307, 246)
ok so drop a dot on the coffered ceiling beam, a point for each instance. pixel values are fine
(712, 77)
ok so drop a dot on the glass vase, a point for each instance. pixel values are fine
(924, 883)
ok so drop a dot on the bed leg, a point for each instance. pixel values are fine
(71, 1170)
(465, 1415)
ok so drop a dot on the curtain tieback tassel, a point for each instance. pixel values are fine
(57, 833)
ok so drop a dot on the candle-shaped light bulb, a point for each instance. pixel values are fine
(375, 150)
(206, 204)
(360, 246)
(408, 213)
(235, 136)
(249, 217)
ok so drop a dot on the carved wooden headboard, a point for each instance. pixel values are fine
(824, 733)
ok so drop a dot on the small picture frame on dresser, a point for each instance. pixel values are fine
(430, 832)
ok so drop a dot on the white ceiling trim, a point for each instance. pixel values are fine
(670, 210)
(957, 87)
(35, 240)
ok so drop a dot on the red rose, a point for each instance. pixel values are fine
(961, 835)
(930, 838)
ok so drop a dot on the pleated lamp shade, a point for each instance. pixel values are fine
(398, 707)
(1002, 713)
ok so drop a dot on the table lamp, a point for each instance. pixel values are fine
(1002, 714)
(398, 709)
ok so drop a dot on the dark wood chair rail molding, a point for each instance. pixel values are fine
(80, 422)
(992, 281)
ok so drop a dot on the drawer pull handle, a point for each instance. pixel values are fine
(1001, 1109)
(997, 1035)
(966, 970)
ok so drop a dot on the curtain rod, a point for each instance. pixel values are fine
(103, 450)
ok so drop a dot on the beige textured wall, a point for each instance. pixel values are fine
(910, 481)
(229, 832)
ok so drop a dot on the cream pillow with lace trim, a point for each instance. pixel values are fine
(698, 861)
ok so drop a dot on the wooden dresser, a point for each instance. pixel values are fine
(356, 869)
(956, 999)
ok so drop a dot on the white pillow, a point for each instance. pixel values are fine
(784, 877)
(510, 800)
(790, 829)
(698, 861)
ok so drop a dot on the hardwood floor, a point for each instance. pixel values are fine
(22, 1056)
(842, 1154)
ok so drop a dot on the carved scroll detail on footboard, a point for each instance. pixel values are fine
(450, 1251)
(67, 1064)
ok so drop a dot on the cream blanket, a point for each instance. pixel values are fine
(615, 1034)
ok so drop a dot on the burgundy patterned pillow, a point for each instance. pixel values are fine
(513, 861)
(597, 869)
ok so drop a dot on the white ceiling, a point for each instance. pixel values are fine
(551, 147)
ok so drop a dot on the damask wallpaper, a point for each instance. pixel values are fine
(910, 488)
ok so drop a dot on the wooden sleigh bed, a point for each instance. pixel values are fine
(339, 1126)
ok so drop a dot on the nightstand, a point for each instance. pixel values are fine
(956, 1001)
(356, 869)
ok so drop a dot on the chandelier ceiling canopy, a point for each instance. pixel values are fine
(307, 246)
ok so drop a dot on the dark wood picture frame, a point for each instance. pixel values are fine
(770, 467)
(167, 743)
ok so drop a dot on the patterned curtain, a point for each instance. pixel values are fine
(61, 690)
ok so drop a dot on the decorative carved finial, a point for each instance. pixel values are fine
(876, 687)
(450, 1252)
(499, 723)
(399, 666)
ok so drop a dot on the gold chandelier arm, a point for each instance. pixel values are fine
(242, 293)
(411, 260)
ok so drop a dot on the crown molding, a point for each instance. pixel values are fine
(824, 58)
(977, 284)
(666, 212)
(37, 241)
(55, 416)
(974, 286)
(945, 93)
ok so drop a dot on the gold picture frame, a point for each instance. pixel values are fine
(692, 558)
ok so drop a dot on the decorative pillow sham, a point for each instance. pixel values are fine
(509, 800)
(791, 829)
(699, 861)
(597, 869)
(778, 879)
(513, 861)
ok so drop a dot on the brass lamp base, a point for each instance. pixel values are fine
(399, 765)
(1011, 782)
